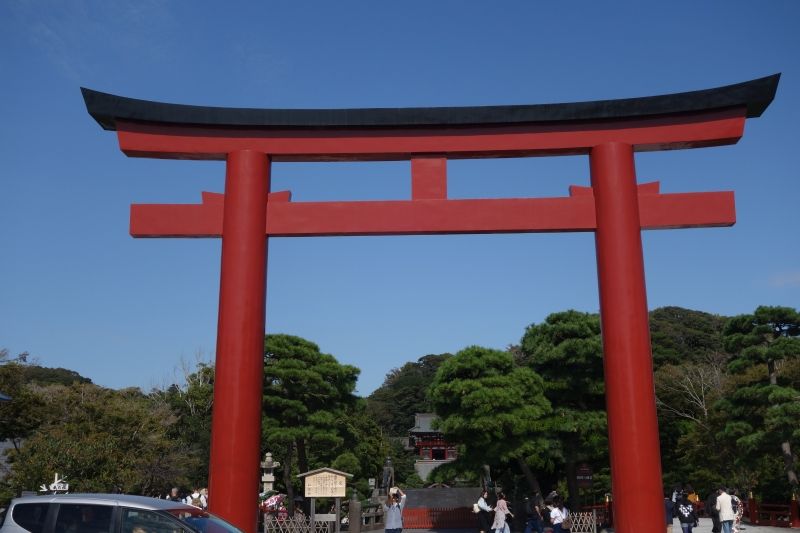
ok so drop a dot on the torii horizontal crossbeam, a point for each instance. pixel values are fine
(424, 217)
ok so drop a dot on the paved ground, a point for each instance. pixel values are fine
(705, 527)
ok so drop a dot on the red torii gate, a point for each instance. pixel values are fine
(614, 207)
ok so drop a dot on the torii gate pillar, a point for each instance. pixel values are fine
(627, 362)
(236, 426)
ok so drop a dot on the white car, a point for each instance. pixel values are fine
(107, 513)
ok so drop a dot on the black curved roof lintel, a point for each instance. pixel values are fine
(755, 95)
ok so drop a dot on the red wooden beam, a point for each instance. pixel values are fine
(421, 217)
(707, 128)
(428, 178)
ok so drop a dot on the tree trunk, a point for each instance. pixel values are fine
(302, 456)
(287, 478)
(788, 461)
(572, 473)
(773, 374)
(533, 482)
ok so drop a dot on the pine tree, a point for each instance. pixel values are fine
(764, 408)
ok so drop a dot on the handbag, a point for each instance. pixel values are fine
(567, 523)
(475, 508)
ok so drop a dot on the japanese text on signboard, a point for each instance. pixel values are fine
(325, 485)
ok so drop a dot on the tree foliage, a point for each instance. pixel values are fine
(191, 403)
(364, 440)
(492, 406)
(679, 335)
(566, 350)
(763, 402)
(306, 395)
(100, 440)
(25, 412)
(728, 397)
(403, 394)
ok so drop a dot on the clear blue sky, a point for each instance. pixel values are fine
(77, 291)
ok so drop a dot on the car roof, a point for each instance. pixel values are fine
(128, 500)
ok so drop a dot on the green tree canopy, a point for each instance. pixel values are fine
(100, 440)
(403, 394)
(306, 394)
(492, 406)
(191, 403)
(363, 439)
(679, 335)
(566, 350)
(763, 402)
(25, 412)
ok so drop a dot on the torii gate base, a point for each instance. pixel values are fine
(614, 207)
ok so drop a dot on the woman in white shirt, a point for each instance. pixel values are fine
(484, 522)
(558, 513)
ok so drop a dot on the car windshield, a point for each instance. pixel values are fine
(199, 520)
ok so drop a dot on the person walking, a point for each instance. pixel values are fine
(393, 510)
(686, 514)
(533, 513)
(677, 490)
(738, 510)
(725, 508)
(484, 520)
(669, 511)
(711, 509)
(499, 524)
(691, 494)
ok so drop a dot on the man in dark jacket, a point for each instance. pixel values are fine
(711, 511)
(669, 511)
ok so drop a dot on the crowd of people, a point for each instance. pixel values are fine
(722, 505)
(198, 497)
(539, 512)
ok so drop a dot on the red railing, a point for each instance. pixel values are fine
(773, 514)
(767, 514)
(604, 513)
(434, 518)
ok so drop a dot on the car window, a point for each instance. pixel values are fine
(31, 516)
(84, 518)
(142, 521)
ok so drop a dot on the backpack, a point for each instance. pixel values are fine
(684, 512)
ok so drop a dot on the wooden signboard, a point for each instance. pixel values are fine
(325, 484)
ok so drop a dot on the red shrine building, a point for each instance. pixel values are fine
(431, 447)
